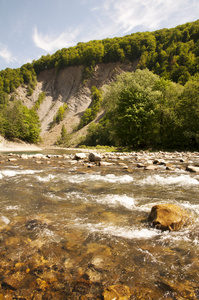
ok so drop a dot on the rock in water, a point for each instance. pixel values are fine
(119, 292)
(192, 169)
(94, 157)
(79, 156)
(168, 217)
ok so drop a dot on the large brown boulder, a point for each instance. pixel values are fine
(168, 217)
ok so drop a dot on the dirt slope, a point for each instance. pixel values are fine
(66, 86)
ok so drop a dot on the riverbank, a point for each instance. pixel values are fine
(16, 146)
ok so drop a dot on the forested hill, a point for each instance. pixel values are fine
(49, 83)
(171, 53)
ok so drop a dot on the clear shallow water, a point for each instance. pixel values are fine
(91, 224)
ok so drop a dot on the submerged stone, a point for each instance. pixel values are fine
(168, 217)
(118, 292)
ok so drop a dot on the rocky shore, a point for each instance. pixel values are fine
(142, 160)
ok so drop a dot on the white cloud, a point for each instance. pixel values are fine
(128, 15)
(6, 54)
(49, 43)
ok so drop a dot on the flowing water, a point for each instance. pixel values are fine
(68, 230)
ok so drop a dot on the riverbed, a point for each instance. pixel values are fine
(70, 228)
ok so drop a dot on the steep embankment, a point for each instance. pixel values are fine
(66, 86)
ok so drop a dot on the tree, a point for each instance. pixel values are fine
(64, 139)
(91, 112)
(4, 99)
(63, 132)
(141, 111)
(22, 123)
(60, 114)
(188, 112)
(135, 117)
(166, 113)
(132, 101)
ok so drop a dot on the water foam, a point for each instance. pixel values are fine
(176, 237)
(117, 200)
(13, 207)
(110, 200)
(128, 233)
(5, 220)
(181, 180)
(109, 178)
(45, 178)
(117, 231)
(192, 207)
(12, 173)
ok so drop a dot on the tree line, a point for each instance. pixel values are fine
(173, 54)
(170, 53)
(144, 110)
(17, 121)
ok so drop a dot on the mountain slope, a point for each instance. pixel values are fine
(66, 86)
(67, 76)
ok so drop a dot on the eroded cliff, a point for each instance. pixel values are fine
(66, 86)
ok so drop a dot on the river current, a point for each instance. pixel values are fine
(68, 230)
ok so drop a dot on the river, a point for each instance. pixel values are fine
(69, 229)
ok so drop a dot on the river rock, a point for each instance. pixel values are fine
(106, 164)
(159, 162)
(80, 156)
(12, 159)
(24, 156)
(151, 167)
(118, 292)
(168, 217)
(11, 283)
(94, 157)
(192, 169)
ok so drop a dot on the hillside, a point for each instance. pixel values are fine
(57, 88)
(67, 87)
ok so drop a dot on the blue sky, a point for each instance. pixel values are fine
(31, 28)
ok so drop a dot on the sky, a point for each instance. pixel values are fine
(32, 28)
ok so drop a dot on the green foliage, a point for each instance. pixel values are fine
(100, 134)
(17, 121)
(59, 115)
(39, 101)
(29, 91)
(188, 112)
(100, 147)
(157, 111)
(144, 110)
(131, 102)
(87, 72)
(64, 139)
(171, 53)
(91, 113)
(4, 99)
(10, 79)
(63, 132)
